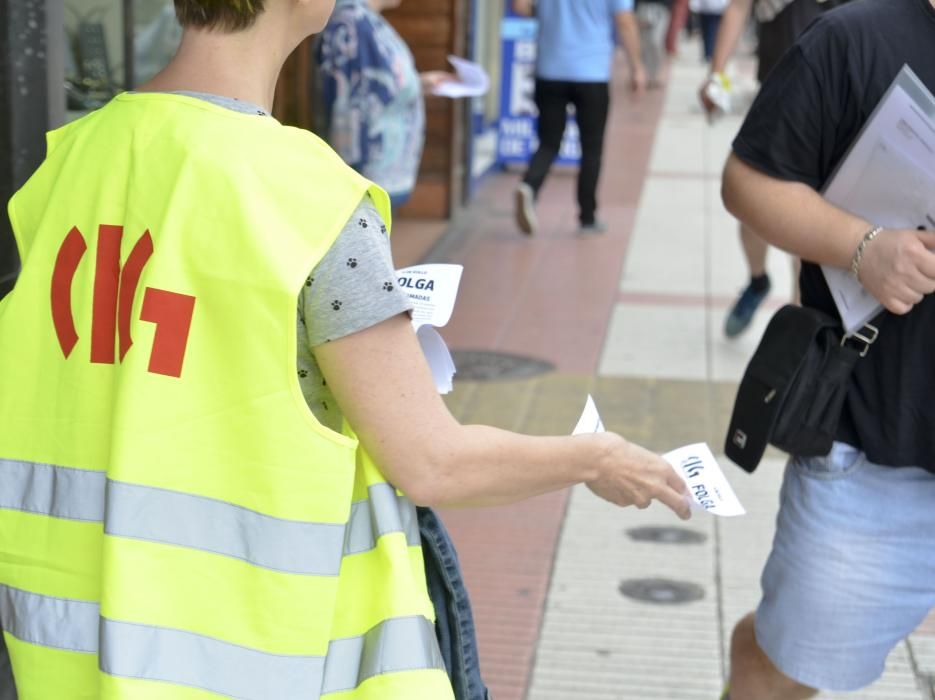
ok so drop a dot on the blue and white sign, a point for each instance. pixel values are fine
(518, 113)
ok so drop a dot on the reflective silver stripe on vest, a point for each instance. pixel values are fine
(206, 524)
(173, 656)
(58, 623)
(174, 518)
(73, 494)
(400, 644)
(183, 658)
(384, 513)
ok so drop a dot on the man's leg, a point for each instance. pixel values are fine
(850, 575)
(660, 21)
(676, 24)
(552, 102)
(592, 103)
(709, 26)
(754, 250)
(753, 676)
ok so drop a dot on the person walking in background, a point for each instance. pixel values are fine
(780, 22)
(653, 17)
(709, 14)
(573, 67)
(677, 20)
(852, 567)
(372, 96)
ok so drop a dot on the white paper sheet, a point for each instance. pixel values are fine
(590, 421)
(433, 289)
(439, 358)
(888, 178)
(708, 488)
(472, 81)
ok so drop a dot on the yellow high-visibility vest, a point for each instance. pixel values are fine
(174, 522)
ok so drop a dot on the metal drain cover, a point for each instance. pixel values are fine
(667, 535)
(661, 591)
(486, 365)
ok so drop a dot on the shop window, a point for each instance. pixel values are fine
(112, 46)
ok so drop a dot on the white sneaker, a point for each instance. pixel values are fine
(525, 209)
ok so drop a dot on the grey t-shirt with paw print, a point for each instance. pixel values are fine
(352, 288)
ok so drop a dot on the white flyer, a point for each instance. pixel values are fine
(707, 485)
(433, 289)
(887, 178)
(708, 488)
(590, 421)
(472, 81)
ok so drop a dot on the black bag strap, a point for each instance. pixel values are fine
(868, 334)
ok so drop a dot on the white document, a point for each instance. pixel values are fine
(439, 358)
(433, 289)
(708, 488)
(888, 178)
(590, 421)
(472, 81)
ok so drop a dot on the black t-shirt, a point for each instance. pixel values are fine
(808, 113)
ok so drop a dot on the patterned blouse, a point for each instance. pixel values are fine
(371, 97)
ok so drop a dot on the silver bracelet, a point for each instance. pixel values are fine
(859, 253)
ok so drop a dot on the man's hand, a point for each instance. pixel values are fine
(638, 79)
(898, 268)
(630, 475)
(706, 104)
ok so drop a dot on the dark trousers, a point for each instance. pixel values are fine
(592, 102)
(709, 25)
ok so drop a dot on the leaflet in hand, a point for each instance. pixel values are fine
(887, 178)
(433, 289)
(472, 81)
(708, 488)
(707, 485)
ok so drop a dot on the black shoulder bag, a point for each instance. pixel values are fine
(794, 387)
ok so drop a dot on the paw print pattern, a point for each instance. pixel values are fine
(336, 305)
(388, 286)
(309, 281)
(303, 373)
(383, 229)
(324, 405)
(352, 263)
(363, 223)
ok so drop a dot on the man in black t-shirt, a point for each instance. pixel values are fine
(852, 569)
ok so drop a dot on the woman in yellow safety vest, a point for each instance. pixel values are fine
(185, 512)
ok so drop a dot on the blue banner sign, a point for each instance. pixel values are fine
(518, 114)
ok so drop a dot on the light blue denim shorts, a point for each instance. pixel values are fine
(852, 570)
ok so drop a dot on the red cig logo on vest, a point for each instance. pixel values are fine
(115, 291)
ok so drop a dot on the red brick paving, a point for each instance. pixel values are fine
(550, 296)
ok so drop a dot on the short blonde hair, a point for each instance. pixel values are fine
(229, 15)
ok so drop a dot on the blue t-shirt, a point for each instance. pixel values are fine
(577, 39)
